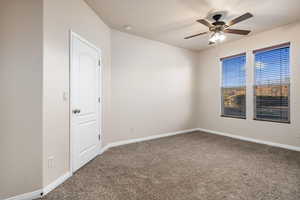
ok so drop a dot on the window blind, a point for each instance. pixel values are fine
(272, 84)
(234, 86)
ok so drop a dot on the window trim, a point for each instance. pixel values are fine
(233, 56)
(278, 46)
(270, 48)
(221, 84)
(232, 116)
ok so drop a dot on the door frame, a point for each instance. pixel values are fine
(73, 35)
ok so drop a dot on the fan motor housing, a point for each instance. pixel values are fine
(217, 28)
(218, 23)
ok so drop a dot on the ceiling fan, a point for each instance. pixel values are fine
(218, 28)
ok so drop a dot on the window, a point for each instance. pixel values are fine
(234, 86)
(272, 84)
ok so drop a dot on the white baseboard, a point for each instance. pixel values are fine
(130, 141)
(284, 146)
(56, 183)
(27, 196)
(104, 149)
(37, 194)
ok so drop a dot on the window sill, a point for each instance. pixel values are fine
(235, 117)
(269, 120)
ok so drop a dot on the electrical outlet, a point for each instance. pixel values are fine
(50, 162)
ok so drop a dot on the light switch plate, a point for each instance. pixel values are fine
(65, 96)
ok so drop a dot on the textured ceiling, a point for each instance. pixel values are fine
(169, 21)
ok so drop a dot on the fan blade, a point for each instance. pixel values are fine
(204, 22)
(196, 35)
(237, 31)
(240, 18)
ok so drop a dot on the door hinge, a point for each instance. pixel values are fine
(99, 100)
(99, 137)
(99, 62)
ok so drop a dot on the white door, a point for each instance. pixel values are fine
(85, 102)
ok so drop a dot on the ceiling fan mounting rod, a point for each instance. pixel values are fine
(217, 17)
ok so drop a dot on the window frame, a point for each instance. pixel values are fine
(221, 86)
(270, 48)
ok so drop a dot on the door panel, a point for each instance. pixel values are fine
(87, 83)
(85, 108)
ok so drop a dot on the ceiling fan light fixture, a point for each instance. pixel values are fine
(222, 37)
(212, 38)
(217, 37)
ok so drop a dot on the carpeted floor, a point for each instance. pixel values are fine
(185, 167)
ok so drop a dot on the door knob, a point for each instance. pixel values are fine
(75, 111)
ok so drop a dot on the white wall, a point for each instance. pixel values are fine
(59, 18)
(152, 87)
(209, 94)
(21, 96)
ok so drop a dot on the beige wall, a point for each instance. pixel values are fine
(152, 87)
(21, 96)
(209, 88)
(59, 18)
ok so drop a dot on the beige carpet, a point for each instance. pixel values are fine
(185, 167)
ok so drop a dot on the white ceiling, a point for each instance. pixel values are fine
(169, 21)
